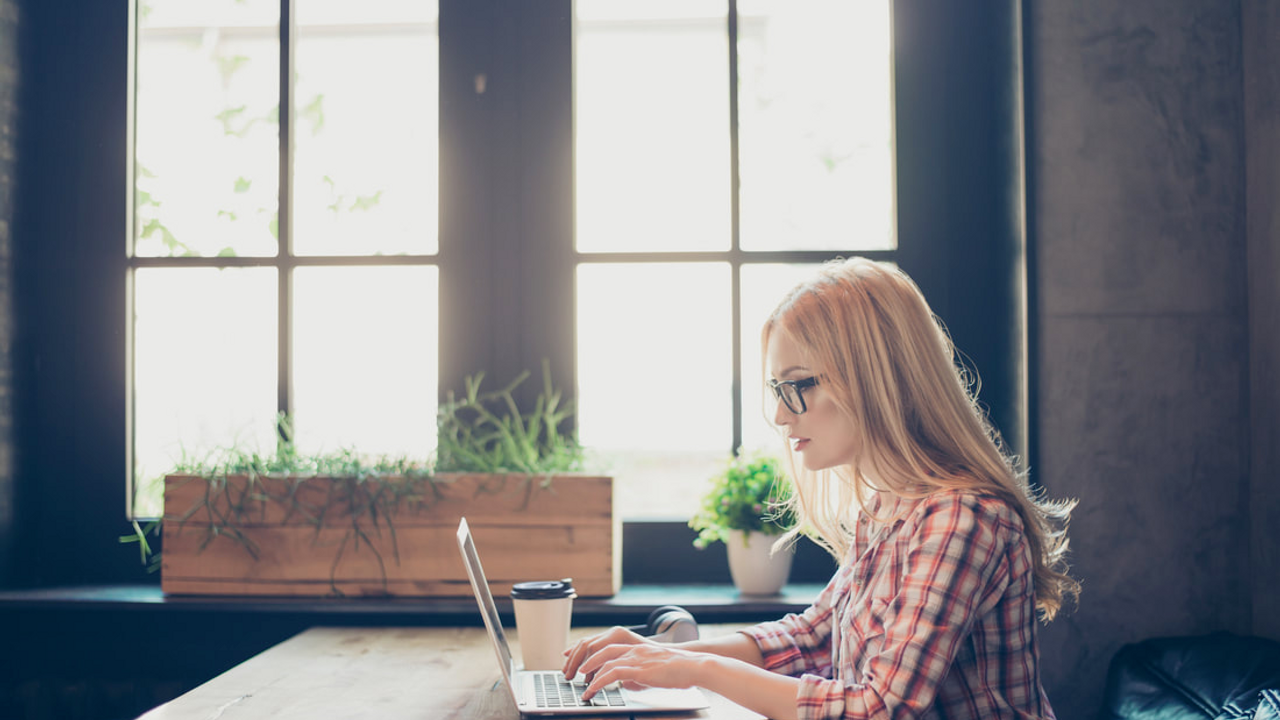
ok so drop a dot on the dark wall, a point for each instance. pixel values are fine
(1261, 23)
(8, 142)
(69, 293)
(960, 217)
(1137, 150)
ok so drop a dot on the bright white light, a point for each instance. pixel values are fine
(207, 137)
(815, 125)
(365, 360)
(204, 368)
(654, 377)
(652, 128)
(366, 141)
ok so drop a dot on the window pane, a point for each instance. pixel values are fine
(815, 138)
(206, 163)
(365, 359)
(365, 138)
(652, 126)
(762, 288)
(204, 369)
(654, 380)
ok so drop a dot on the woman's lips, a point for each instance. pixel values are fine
(798, 444)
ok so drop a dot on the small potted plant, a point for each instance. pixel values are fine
(745, 508)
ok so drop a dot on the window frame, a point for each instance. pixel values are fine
(285, 261)
(961, 228)
(540, 244)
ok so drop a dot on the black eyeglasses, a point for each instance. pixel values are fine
(791, 393)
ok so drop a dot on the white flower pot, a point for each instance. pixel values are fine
(754, 570)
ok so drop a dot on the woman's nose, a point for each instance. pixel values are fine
(782, 415)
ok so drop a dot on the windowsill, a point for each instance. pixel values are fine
(709, 603)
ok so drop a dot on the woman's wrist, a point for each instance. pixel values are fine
(708, 671)
(738, 646)
(748, 685)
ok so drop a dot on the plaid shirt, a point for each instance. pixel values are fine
(934, 619)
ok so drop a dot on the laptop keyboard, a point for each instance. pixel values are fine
(551, 690)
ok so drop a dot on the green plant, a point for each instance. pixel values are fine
(749, 494)
(481, 433)
(372, 491)
(487, 432)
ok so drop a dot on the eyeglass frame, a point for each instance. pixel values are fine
(799, 386)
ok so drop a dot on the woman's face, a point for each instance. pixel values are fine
(822, 435)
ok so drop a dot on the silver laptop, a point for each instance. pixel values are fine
(547, 692)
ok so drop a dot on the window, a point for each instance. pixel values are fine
(703, 179)
(623, 187)
(505, 260)
(722, 149)
(316, 295)
(506, 163)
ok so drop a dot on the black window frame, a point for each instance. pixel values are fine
(284, 262)
(961, 230)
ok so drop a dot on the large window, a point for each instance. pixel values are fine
(505, 263)
(722, 150)
(293, 260)
(284, 236)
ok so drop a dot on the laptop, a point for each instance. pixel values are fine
(546, 692)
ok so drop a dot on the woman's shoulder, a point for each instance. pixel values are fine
(961, 508)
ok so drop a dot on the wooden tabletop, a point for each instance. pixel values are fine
(385, 673)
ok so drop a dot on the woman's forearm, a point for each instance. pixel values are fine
(738, 646)
(768, 693)
(737, 673)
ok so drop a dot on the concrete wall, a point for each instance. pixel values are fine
(8, 122)
(1261, 24)
(1137, 150)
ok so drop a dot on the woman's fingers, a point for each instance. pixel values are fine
(604, 679)
(576, 655)
(592, 664)
(582, 650)
(644, 665)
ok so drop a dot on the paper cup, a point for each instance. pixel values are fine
(543, 613)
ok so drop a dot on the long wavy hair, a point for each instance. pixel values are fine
(892, 369)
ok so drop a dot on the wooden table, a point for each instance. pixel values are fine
(385, 673)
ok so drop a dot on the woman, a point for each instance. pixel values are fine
(946, 555)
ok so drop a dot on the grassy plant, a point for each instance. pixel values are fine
(371, 491)
(479, 433)
(487, 432)
(150, 558)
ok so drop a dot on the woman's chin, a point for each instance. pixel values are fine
(813, 463)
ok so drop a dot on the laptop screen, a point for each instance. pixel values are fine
(484, 598)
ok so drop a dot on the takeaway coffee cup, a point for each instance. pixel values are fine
(543, 612)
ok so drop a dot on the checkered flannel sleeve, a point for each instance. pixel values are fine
(954, 567)
(799, 644)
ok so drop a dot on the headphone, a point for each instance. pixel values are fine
(669, 623)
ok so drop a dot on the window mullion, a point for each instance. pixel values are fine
(735, 300)
(284, 215)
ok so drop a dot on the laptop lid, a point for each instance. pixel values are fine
(488, 609)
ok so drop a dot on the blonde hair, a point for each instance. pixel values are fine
(891, 368)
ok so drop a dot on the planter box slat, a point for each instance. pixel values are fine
(524, 531)
(425, 588)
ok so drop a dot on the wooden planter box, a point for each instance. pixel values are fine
(299, 536)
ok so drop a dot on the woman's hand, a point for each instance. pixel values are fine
(588, 647)
(644, 665)
(729, 666)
